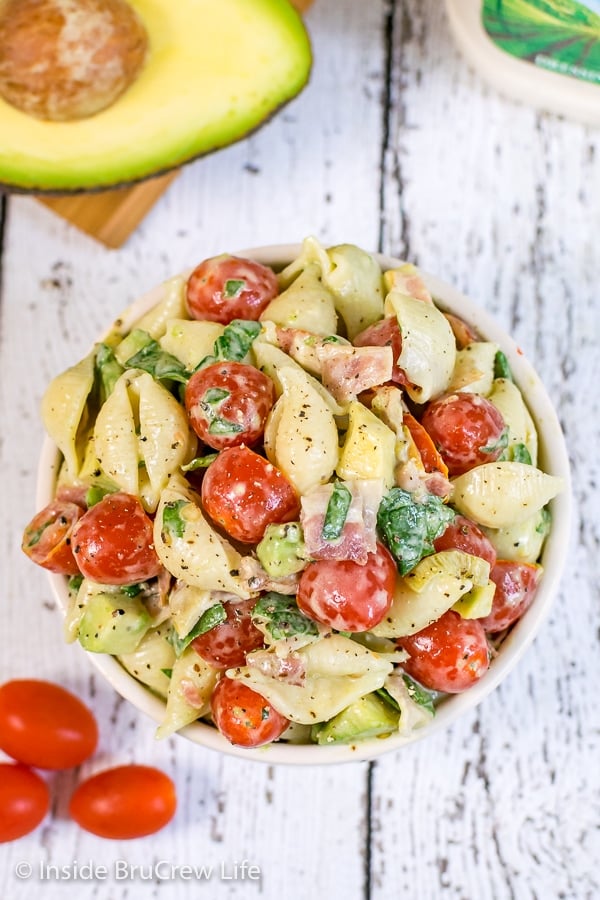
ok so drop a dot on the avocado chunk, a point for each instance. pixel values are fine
(477, 603)
(113, 623)
(367, 717)
(213, 72)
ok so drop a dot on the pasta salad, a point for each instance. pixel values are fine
(302, 505)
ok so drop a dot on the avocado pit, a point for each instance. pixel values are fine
(63, 60)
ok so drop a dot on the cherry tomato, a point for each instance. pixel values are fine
(113, 542)
(467, 430)
(346, 595)
(227, 644)
(243, 493)
(225, 287)
(243, 716)
(450, 655)
(125, 802)
(516, 585)
(44, 725)
(47, 539)
(462, 534)
(24, 801)
(385, 333)
(227, 404)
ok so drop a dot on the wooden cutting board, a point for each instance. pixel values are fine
(112, 216)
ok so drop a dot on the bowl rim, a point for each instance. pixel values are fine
(553, 459)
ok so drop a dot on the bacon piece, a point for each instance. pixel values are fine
(358, 537)
(257, 579)
(463, 332)
(412, 477)
(289, 668)
(408, 280)
(348, 371)
(191, 693)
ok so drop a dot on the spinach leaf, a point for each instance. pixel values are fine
(209, 619)
(232, 287)
(233, 344)
(108, 369)
(282, 616)
(517, 453)
(410, 526)
(158, 363)
(418, 693)
(336, 512)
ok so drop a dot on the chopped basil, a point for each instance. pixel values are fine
(167, 672)
(336, 512)
(232, 287)
(209, 619)
(387, 697)
(281, 616)
(199, 462)
(108, 369)
(234, 344)
(214, 396)
(34, 537)
(410, 526)
(502, 366)
(418, 693)
(132, 590)
(545, 521)
(160, 364)
(331, 339)
(171, 518)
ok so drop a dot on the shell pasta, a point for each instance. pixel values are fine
(301, 505)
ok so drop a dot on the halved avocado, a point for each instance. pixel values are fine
(215, 71)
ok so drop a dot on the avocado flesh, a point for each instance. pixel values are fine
(367, 717)
(113, 623)
(215, 71)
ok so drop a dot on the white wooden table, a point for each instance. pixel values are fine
(395, 145)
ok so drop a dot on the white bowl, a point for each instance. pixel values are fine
(553, 459)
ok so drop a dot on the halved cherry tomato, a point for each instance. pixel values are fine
(431, 459)
(47, 539)
(24, 801)
(385, 333)
(449, 655)
(44, 725)
(227, 644)
(226, 287)
(227, 404)
(346, 595)
(462, 534)
(516, 585)
(243, 493)
(113, 542)
(125, 802)
(243, 716)
(467, 430)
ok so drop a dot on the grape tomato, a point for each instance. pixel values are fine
(44, 725)
(113, 542)
(226, 287)
(243, 716)
(450, 655)
(47, 539)
(243, 493)
(347, 595)
(227, 404)
(24, 801)
(516, 584)
(467, 429)
(462, 534)
(227, 644)
(125, 802)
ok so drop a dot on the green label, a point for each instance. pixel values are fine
(559, 35)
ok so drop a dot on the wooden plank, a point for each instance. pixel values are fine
(112, 216)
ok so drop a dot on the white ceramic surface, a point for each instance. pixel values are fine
(553, 459)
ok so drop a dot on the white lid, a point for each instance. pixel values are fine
(566, 94)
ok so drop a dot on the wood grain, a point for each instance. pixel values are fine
(394, 142)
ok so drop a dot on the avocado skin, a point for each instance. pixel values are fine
(27, 167)
(113, 623)
(367, 717)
